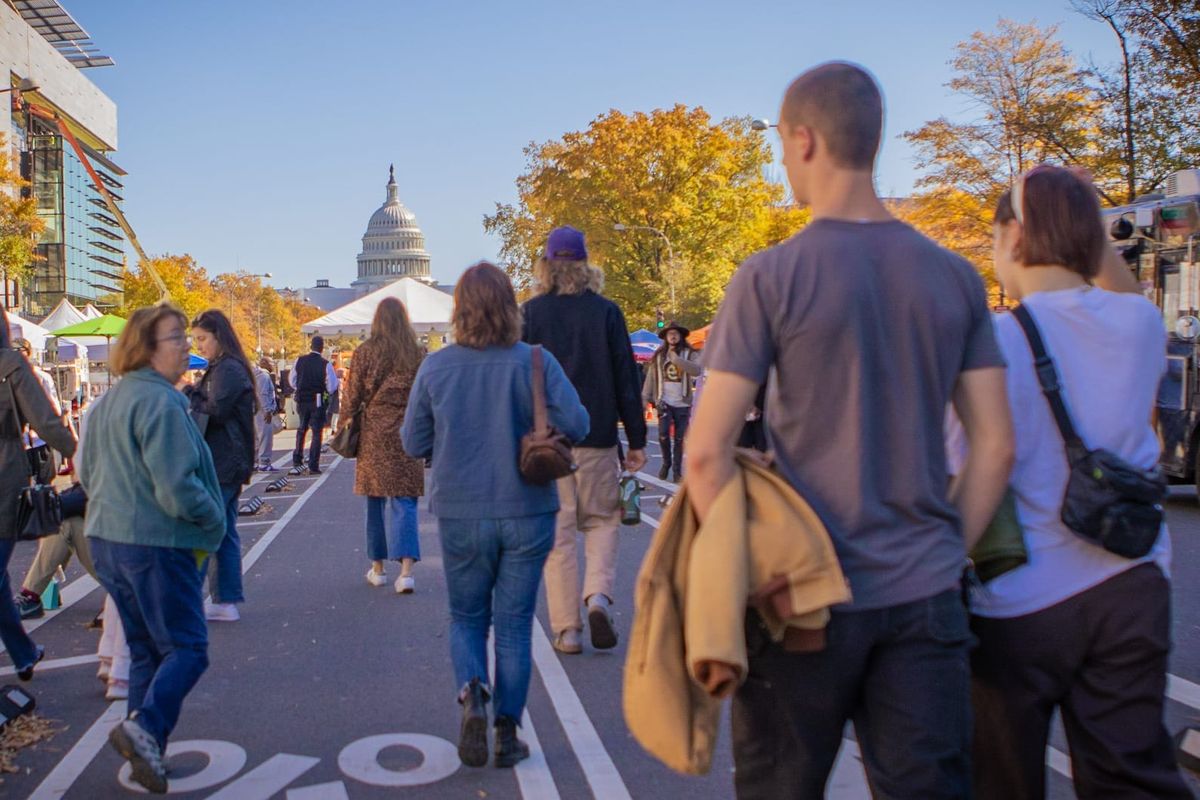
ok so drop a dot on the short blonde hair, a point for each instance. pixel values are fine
(136, 345)
(486, 313)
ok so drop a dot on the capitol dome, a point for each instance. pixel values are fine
(393, 246)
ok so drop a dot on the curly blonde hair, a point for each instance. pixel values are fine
(566, 276)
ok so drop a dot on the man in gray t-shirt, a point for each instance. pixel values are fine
(868, 330)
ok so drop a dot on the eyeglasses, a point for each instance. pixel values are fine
(1018, 191)
(175, 337)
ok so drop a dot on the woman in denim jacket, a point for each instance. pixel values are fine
(470, 405)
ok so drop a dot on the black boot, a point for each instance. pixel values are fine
(509, 749)
(472, 739)
(664, 471)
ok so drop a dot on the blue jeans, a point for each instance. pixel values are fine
(159, 595)
(493, 569)
(20, 647)
(225, 575)
(392, 529)
(900, 673)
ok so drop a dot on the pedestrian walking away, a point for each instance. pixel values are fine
(155, 512)
(587, 334)
(264, 419)
(382, 376)
(224, 405)
(1077, 628)
(855, 411)
(670, 387)
(24, 404)
(471, 404)
(314, 380)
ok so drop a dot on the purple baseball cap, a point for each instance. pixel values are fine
(566, 242)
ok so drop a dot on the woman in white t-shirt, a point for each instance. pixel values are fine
(1077, 627)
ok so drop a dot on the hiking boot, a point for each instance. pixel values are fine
(569, 642)
(472, 738)
(509, 749)
(600, 624)
(675, 477)
(139, 748)
(29, 605)
(664, 471)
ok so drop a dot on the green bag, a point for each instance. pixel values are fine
(1002, 548)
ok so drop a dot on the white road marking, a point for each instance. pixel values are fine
(225, 759)
(72, 593)
(73, 764)
(267, 779)
(67, 771)
(360, 760)
(533, 774)
(56, 663)
(598, 767)
(334, 790)
(1183, 691)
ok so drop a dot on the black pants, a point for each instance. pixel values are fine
(311, 416)
(1101, 657)
(680, 416)
(899, 673)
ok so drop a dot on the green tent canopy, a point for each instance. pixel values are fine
(107, 326)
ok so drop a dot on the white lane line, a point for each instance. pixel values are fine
(67, 771)
(1183, 691)
(533, 774)
(73, 764)
(56, 663)
(653, 480)
(72, 593)
(598, 767)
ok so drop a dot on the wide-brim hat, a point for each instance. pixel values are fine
(674, 326)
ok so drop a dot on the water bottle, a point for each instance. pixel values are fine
(631, 500)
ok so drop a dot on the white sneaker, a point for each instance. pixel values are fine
(117, 690)
(376, 578)
(221, 612)
(405, 584)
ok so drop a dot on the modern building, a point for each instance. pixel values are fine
(60, 119)
(393, 246)
(322, 296)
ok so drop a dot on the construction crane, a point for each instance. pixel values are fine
(55, 120)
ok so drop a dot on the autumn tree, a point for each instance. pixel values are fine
(701, 183)
(187, 283)
(20, 225)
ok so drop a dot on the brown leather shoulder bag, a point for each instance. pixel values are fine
(545, 452)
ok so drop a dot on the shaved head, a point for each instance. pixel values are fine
(842, 103)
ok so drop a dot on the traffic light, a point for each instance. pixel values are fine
(660, 322)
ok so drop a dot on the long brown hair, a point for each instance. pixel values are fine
(136, 345)
(1061, 220)
(485, 309)
(215, 322)
(392, 334)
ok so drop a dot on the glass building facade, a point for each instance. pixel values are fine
(81, 251)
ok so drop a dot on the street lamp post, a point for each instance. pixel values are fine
(621, 227)
(230, 287)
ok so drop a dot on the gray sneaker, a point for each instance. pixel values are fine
(139, 748)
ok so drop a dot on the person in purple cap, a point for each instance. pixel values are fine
(587, 334)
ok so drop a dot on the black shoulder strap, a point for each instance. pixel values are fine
(1047, 376)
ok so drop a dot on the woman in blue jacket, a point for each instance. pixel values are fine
(470, 405)
(154, 515)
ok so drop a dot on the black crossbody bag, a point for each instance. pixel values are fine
(1109, 502)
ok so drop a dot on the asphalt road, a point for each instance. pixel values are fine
(329, 688)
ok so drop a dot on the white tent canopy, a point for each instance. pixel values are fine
(428, 309)
(91, 312)
(64, 314)
(21, 328)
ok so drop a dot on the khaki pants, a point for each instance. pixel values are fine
(589, 504)
(54, 551)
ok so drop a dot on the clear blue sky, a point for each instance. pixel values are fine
(258, 134)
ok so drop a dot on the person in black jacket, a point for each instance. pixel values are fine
(315, 380)
(588, 336)
(224, 404)
(23, 402)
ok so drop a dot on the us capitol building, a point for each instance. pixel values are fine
(392, 248)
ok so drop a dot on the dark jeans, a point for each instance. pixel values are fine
(1101, 657)
(680, 416)
(225, 566)
(159, 594)
(20, 647)
(493, 570)
(899, 673)
(311, 416)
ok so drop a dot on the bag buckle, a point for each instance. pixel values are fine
(1047, 374)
